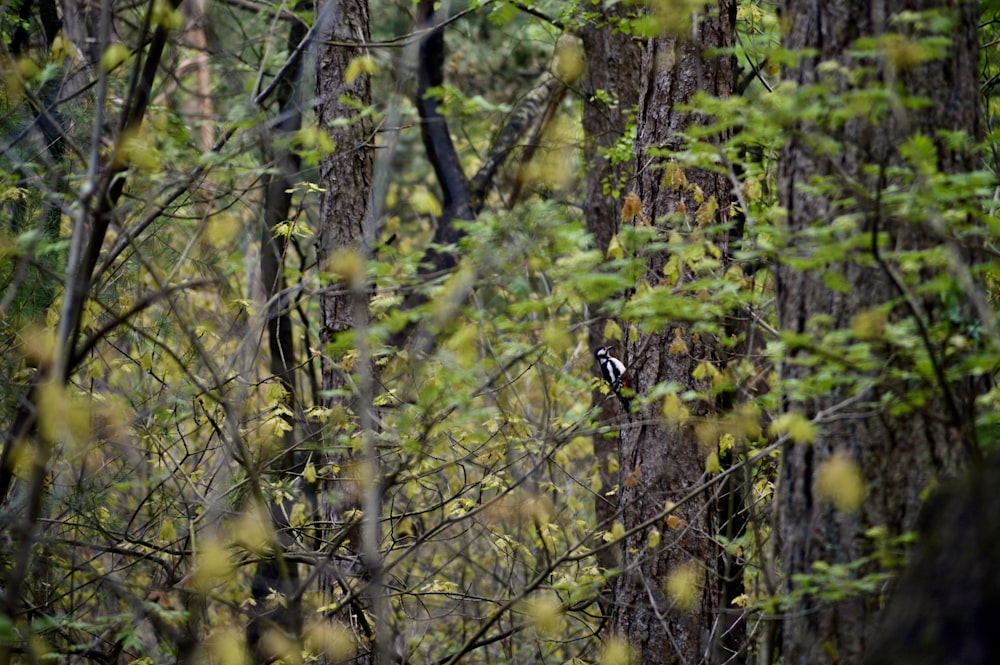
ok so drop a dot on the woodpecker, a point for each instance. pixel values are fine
(613, 371)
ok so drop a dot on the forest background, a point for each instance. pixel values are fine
(299, 305)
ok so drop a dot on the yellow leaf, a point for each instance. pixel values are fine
(742, 600)
(39, 345)
(675, 521)
(743, 422)
(364, 64)
(425, 203)
(705, 214)
(298, 517)
(167, 531)
(227, 646)
(557, 337)
(314, 136)
(547, 615)
(213, 564)
(309, 473)
(346, 264)
(166, 16)
(254, 531)
(332, 640)
(615, 249)
(220, 229)
(674, 410)
(569, 62)
(62, 416)
(275, 392)
(712, 464)
(839, 481)
(903, 53)
(617, 532)
(706, 430)
(698, 194)
(137, 148)
(674, 177)
(115, 55)
(672, 270)
(705, 370)
(683, 585)
(616, 651)
(63, 48)
(869, 325)
(279, 647)
(465, 344)
(27, 68)
(612, 331)
(678, 346)
(795, 425)
(324, 143)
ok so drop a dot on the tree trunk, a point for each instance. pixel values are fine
(276, 574)
(346, 178)
(666, 600)
(898, 452)
(612, 71)
(946, 605)
(346, 173)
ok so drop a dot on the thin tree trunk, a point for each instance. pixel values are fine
(897, 454)
(346, 173)
(346, 178)
(277, 574)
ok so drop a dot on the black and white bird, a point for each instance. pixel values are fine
(613, 371)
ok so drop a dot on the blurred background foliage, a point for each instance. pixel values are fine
(166, 441)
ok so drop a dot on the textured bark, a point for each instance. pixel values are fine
(661, 463)
(346, 173)
(899, 456)
(346, 176)
(613, 59)
(508, 138)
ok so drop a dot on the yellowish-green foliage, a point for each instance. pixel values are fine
(839, 481)
(683, 585)
(167, 475)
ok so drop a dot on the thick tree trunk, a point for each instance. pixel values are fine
(946, 605)
(613, 59)
(666, 600)
(898, 451)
